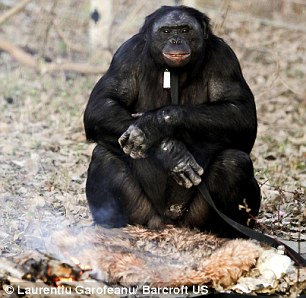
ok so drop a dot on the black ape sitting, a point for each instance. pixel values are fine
(152, 153)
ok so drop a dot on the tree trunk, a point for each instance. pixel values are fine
(101, 18)
(191, 3)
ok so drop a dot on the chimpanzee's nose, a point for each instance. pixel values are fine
(175, 41)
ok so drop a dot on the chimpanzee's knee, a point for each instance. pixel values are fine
(231, 182)
(104, 204)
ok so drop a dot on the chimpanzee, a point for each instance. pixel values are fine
(151, 152)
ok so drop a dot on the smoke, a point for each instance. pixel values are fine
(109, 215)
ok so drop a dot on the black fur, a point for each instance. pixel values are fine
(151, 178)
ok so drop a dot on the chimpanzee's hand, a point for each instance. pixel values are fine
(149, 128)
(175, 157)
(141, 135)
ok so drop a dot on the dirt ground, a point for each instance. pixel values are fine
(44, 155)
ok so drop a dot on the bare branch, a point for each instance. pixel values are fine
(14, 10)
(49, 20)
(66, 40)
(43, 67)
(16, 52)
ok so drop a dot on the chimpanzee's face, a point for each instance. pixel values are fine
(176, 39)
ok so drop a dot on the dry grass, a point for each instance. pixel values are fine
(44, 156)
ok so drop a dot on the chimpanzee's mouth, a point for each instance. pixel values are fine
(176, 57)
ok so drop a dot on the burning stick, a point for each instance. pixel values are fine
(82, 266)
(41, 267)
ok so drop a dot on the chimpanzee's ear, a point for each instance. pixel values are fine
(150, 20)
(203, 20)
(206, 26)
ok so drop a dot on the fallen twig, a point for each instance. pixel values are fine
(43, 67)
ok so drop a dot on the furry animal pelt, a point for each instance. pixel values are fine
(168, 257)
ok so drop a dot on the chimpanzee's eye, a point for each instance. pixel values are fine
(185, 30)
(166, 31)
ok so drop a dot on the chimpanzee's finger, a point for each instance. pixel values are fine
(183, 180)
(138, 152)
(196, 167)
(137, 115)
(192, 175)
(124, 137)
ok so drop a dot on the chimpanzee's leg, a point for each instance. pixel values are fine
(114, 196)
(231, 183)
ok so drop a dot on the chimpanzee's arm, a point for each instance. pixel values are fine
(108, 112)
(230, 122)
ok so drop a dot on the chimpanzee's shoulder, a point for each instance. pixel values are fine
(131, 49)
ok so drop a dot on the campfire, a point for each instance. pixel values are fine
(36, 266)
(136, 260)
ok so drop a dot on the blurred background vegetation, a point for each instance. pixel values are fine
(57, 29)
